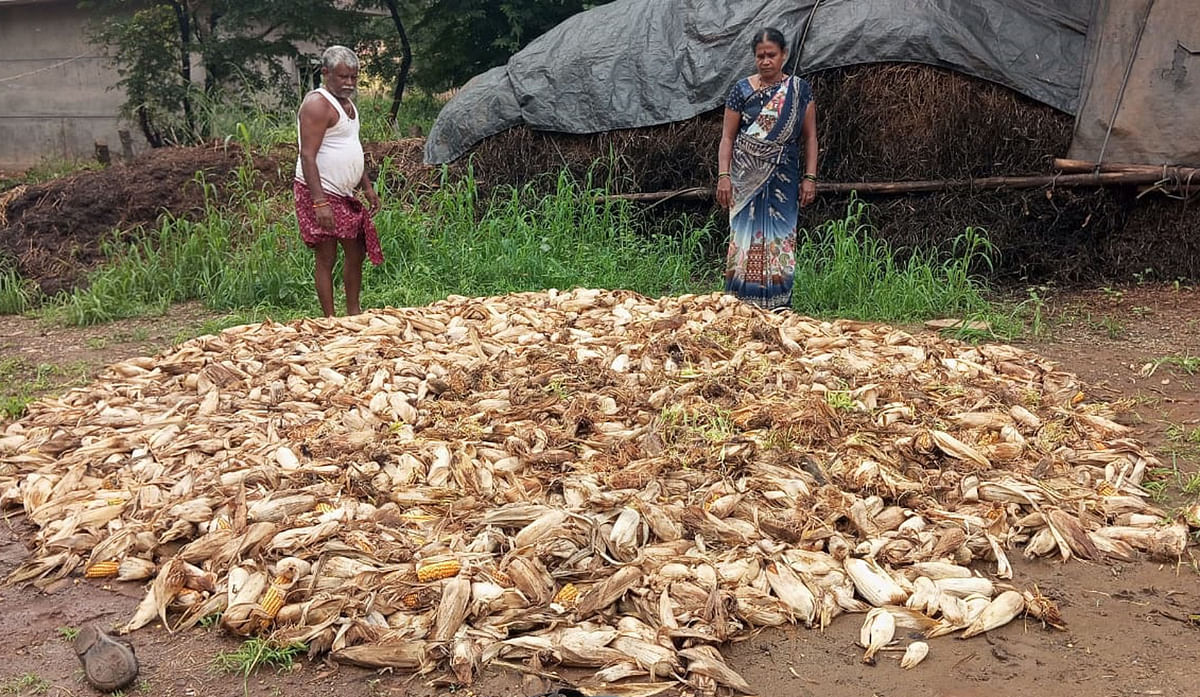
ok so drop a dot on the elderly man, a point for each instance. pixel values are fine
(328, 170)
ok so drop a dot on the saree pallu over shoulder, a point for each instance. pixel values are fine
(767, 139)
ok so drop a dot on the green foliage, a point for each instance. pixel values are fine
(454, 40)
(25, 684)
(247, 254)
(257, 127)
(16, 294)
(68, 633)
(22, 382)
(243, 47)
(844, 270)
(144, 46)
(255, 653)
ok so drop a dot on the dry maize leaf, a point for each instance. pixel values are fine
(1070, 535)
(964, 587)
(168, 584)
(707, 662)
(958, 450)
(877, 631)
(792, 591)
(407, 655)
(608, 591)
(873, 583)
(452, 609)
(914, 654)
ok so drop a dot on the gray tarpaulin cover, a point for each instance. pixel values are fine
(1158, 119)
(635, 63)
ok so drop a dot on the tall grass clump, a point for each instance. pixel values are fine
(525, 241)
(241, 253)
(16, 293)
(246, 253)
(844, 270)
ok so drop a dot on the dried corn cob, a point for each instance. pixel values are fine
(438, 570)
(567, 595)
(102, 569)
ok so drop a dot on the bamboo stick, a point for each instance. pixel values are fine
(1135, 177)
(1066, 165)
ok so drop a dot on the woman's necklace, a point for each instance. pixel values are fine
(762, 85)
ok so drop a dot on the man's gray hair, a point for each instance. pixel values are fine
(338, 55)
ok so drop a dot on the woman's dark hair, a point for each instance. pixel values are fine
(769, 34)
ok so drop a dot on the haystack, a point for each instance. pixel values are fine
(904, 122)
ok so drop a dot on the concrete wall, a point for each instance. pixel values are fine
(55, 100)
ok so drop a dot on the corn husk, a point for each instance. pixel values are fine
(877, 631)
(914, 653)
(518, 477)
(873, 583)
(1003, 609)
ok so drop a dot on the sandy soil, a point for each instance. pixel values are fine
(1132, 628)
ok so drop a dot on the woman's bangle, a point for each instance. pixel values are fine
(320, 204)
(811, 177)
(722, 174)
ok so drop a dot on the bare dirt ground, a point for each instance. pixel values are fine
(1132, 628)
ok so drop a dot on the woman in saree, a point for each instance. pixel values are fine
(759, 177)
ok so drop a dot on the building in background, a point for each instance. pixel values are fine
(56, 96)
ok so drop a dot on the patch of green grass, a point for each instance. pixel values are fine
(49, 169)
(68, 633)
(17, 295)
(28, 683)
(1187, 363)
(22, 382)
(210, 621)
(250, 256)
(257, 653)
(96, 342)
(258, 127)
(844, 269)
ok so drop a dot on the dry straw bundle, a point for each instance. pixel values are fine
(590, 478)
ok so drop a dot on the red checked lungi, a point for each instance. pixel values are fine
(351, 220)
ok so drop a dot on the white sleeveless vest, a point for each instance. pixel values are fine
(340, 157)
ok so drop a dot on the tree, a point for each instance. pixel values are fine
(458, 39)
(241, 45)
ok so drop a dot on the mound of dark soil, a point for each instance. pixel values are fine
(54, 231)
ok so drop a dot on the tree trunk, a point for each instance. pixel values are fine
(153, 137)
(405, 62)
(185, 61)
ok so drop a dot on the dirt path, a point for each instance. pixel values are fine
(1129, 630)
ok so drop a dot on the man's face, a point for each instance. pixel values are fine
(341, 80)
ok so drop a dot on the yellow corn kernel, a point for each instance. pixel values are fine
(1079, 397)
(271, 601)
(101, 569)
(224, 524)
(567, 595)
(1105, 488)
(323, 508)
(411, 600)
(438, 570)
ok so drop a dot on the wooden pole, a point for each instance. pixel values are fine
(1129, 178)
(1167, 171)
